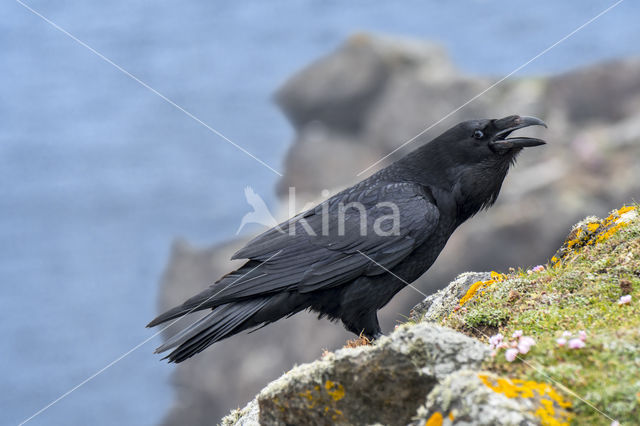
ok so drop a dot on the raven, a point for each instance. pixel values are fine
(347, 257)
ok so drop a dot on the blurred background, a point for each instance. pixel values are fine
(115, 205)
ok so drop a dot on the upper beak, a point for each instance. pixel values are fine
(512, 123)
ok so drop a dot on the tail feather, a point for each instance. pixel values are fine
(221, 292)
(173, 313)
(222, 322)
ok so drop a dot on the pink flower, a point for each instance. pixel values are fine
(576, 344)
(624, 300)
(615, 423)
(538, 268)
(511, 354)
(495, 340)
(561, 341)
(582, 335)
(566, 334)
(493, 354)
(525, 344)
(523, 349)
(516, 334)
(527, 340)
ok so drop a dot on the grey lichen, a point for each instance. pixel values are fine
(247, 416)
(441, 303)
(480, 398)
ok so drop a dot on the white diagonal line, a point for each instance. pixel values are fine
(124, 355)
(493, 85)
(386, 270)
(142, 83)
(566, 389)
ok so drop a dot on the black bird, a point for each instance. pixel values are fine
(347, 257)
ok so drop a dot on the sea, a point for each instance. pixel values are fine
(111, 116)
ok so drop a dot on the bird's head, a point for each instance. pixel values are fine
(479, 140)
(472, 159)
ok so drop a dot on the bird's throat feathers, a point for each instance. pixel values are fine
(474, 185)
(477, 188)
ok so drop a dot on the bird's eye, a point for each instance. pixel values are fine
(478, 134)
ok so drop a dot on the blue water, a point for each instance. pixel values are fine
(98, 174)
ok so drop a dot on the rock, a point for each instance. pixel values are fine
(592, 230)
(314, 141)
(248, 416)
(338, 89)
(603, 93)
(426, 374)
(435, 306)
(479, 398)
(410, 103)
(385, 382)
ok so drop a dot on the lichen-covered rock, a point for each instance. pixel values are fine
(248, 416)
(581, 310)
(441, 303)
(479, 398)
(385, 382)
(593, 230)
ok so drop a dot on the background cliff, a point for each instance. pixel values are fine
(355, 106)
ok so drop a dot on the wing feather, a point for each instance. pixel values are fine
(283, 260)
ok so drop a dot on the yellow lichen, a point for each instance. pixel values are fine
(335, 390)
(610, 232)
(336, 414)
(309, 397)
(481, 285)
(451, 417)
(593, 232)
(592, 227)
(626, 209)
(546, 397)
(435, 420)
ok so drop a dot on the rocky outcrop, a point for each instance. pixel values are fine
(384, 383)
(485, 399)
(360, 102)
(420, 374)
(435, 306)
(427, 374)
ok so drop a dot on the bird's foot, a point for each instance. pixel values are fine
(363, 340)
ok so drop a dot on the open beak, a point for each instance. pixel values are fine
(511, 124)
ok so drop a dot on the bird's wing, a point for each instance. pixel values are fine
(283, 260)
(294, 259)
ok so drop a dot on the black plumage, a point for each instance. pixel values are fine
(344, 265)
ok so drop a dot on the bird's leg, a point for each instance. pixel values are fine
(374, 335)
(366, 325)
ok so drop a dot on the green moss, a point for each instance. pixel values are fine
(491, 317)
(578, 290)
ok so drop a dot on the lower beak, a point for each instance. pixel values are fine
(518, 142)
